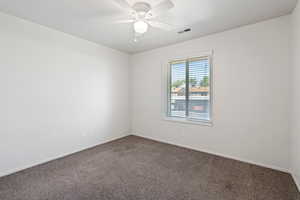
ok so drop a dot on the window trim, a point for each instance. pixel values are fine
(167, 88)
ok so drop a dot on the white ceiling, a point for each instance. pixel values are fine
(89, 19)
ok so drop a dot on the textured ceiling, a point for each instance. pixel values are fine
(90, 19)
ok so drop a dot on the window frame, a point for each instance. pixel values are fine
(167, 90)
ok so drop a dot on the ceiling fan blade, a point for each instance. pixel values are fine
(125, 21)
(161, 25)
(160, 8)
(124, 4)
(117, 19)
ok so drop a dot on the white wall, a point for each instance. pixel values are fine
(251, 94)
(59, 94)
(295, 126)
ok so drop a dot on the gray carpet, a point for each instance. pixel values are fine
(133, 168)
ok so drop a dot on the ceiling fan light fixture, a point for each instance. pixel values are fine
(140, 27)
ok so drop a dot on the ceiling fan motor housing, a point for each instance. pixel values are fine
(141, 8)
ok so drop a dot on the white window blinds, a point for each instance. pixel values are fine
(189, 89)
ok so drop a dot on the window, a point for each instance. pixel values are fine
(189, 89)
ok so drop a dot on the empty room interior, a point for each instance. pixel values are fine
(149, 100)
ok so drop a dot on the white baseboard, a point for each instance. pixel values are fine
(218, 154)
(296, 181)
(12, 171)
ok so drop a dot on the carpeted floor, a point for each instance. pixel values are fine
(133, 168)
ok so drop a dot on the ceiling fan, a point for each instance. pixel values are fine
(142, 15)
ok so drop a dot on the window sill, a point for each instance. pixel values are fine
(188, 121)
